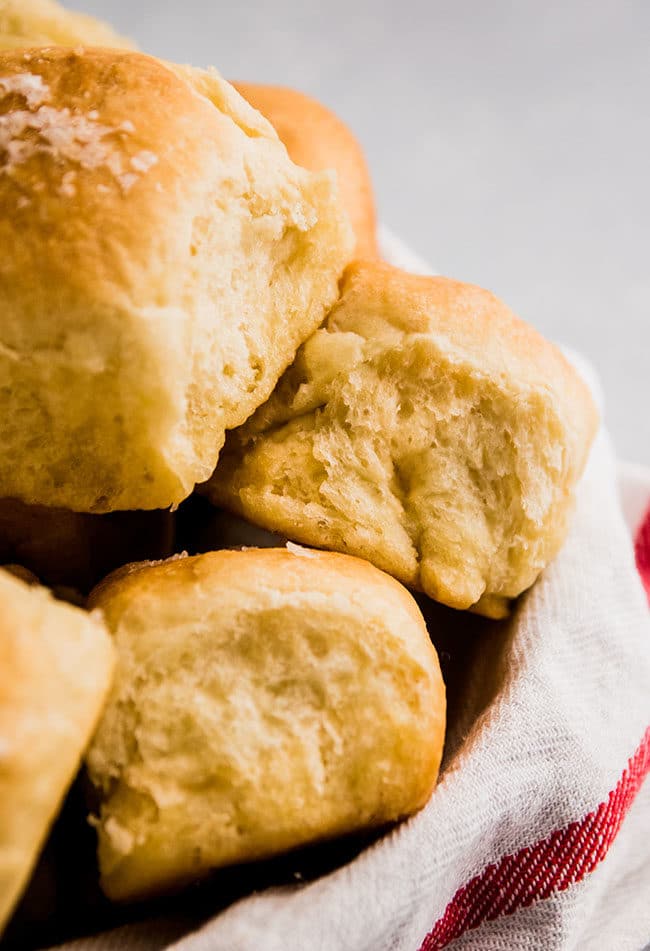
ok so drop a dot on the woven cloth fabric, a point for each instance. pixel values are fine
(538, 835)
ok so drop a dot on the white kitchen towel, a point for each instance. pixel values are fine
(538, 835)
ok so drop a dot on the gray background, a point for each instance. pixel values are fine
(509, 143)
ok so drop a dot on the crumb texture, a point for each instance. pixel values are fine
(263, 700)
(317, 139)
(190, 258)
(424, 428)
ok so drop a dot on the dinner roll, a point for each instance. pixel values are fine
(263, 699)
(76, 549)
(163, 261)
(314, 136)
(56, 663)
(425, 428)
(44, 22)
(317, 139)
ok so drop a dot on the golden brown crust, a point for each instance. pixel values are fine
(162, 208)
(56, 664)
(317, 139)
(425, 428)
(264, 699)
(293, 569)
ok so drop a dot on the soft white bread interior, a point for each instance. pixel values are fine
(318, 139)
(44, 23)
(263, 699)
(425, 428)
(56, 663)
(163, 260)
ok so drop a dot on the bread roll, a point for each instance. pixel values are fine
(44, 22)
(56, 663)
(76, 549)
(163, 261)
(314, 136)
(425, 428)
(317, 139)
(263, 699)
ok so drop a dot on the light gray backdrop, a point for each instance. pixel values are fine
(509, 142)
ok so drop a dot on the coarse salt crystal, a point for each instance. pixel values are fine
(28, 85)
(143, 161)
(300, 551)
(127, 181)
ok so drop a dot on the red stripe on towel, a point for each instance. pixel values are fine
(552, 865)
(642, 551)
